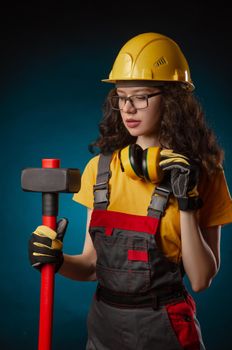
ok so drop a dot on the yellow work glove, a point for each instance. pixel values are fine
(45, 245)
(184, 176)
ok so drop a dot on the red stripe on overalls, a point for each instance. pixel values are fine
(112, 219)
(138, 255)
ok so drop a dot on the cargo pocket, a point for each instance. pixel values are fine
(123, 262)
(127, 281)
(181, 322)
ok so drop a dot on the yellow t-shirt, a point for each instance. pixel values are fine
(133, 197)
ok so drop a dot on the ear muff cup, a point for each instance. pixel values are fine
(131, 161)
(141, 164)
(150, 164)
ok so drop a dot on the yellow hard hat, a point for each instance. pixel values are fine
(151, 57)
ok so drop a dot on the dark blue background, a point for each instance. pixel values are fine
(53, 59)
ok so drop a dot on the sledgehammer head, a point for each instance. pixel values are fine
(51, 180)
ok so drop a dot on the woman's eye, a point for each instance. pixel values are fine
(140, 97)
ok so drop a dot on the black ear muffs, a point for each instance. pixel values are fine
(141, 164)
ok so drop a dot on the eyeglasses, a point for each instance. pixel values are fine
(137, 101)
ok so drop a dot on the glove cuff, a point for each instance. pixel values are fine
(189, 203)
(59, 263)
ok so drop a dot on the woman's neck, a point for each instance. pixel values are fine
(147, 141)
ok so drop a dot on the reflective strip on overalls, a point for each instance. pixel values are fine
(140, 301)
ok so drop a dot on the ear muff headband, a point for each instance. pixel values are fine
(150, 164)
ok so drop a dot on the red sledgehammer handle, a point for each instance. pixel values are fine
(47, 282)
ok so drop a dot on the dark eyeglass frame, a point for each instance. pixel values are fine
(147, 96)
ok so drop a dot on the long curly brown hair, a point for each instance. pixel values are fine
(183, 128)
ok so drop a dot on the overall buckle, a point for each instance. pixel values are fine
(100, 192)
(159, 200)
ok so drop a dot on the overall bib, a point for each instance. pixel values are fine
(140, 302)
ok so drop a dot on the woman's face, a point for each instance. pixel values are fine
(140, 122)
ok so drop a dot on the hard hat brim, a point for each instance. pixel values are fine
(153, 83)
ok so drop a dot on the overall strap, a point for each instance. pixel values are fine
(101, 188)
(158, 204)
(159, 199)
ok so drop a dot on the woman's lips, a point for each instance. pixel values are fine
(131, 123)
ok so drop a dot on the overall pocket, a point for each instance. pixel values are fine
(181, 322)
(123, 261)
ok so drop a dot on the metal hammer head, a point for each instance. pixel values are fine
(51, 180)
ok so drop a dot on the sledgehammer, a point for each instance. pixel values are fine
(50, 180)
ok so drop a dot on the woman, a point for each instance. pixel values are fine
(157, 198)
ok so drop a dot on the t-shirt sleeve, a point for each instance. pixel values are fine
(217, 207)
(88, 179)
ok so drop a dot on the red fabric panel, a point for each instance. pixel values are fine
(112, 219)
(181, 316)
(140, 255)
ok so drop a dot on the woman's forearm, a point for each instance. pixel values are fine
(198, 259)
(78, 267)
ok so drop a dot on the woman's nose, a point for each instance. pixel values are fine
(129, 107)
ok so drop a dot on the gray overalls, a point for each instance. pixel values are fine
(140, 302)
